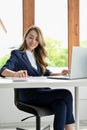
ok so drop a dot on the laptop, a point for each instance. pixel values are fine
(78, 64)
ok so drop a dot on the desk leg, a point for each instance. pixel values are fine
(77, 108)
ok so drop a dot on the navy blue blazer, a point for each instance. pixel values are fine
(19, 61)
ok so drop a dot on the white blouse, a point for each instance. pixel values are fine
(31, 58)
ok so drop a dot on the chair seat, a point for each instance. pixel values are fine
(37, 111)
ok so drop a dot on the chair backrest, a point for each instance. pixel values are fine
(37, 111)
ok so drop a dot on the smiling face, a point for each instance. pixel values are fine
(32, 40)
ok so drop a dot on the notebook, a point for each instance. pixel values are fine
(78, 64)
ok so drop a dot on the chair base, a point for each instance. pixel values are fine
(19, 129)
(45, 128)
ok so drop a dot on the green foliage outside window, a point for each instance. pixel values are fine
(3, 60)
(57, 56)
(83, 44)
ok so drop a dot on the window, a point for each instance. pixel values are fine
(51, 17)
(11, 16)
(10, 26)
(83, 23)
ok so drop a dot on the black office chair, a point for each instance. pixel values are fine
(38, 112)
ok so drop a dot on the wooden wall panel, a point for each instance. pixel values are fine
(28, 14)
(73, 26)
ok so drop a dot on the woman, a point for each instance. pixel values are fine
(29, 60)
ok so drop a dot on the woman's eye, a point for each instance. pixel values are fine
(37, 40)
(30, 37)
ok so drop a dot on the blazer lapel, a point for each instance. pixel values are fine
(29, 66)
(25, 59)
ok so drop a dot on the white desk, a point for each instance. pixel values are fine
(34, 82)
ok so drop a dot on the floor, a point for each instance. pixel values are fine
(83, 126)
(30, 124)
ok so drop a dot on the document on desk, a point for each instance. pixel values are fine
(19, 79)
(29, 78)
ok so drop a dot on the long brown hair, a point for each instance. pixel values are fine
(39, 52)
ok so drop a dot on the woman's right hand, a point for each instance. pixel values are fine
(65, 72)
(21, 73)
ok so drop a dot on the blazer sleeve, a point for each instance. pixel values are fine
(47, 73)
(11, 62)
